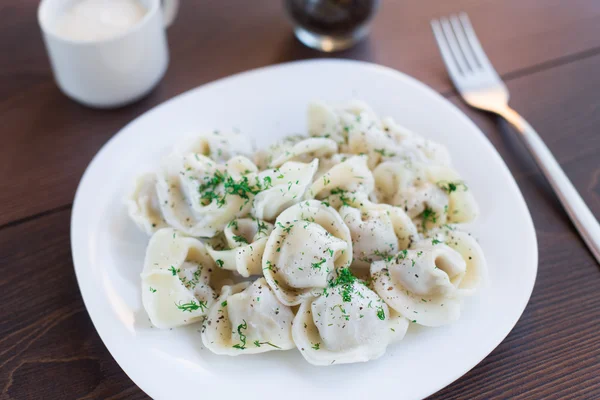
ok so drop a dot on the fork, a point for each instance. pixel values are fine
(480, 86)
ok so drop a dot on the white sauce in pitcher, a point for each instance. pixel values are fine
(92, 20)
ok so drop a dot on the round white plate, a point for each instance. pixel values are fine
(266, 104)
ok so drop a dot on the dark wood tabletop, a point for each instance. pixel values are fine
(547, 52)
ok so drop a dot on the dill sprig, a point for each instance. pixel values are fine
(192, 306)
(286, 229)
(240, 239)
(258, 344)
(242, 345)
(261, 227)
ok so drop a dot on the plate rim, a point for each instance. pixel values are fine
(528, 224)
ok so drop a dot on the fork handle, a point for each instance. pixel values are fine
(578, 211)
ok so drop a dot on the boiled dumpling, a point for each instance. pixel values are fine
(284, 187)
(377, 231)
(369, 138)
(248, 319)
(295, 148)
(199, 196)
(175, 279)
(346, 183)
(326, 163)
(347, 323)
(406, 186)
(476, 274)
(219, 146)
(193, 193)
(336, 122)
(393, 142)
(358, 130)
(309, 243)
(412, 147)
(422, 284)
(143, 205)
(462, 207)
(242, 246)
(432, 194)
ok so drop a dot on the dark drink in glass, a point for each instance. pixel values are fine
(330, 25)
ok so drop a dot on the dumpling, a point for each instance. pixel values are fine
(248, 319)
(346, 183)
(394, 142)
(337, 122)
(413, 147)
(193, 193)
(462, 207)
(199, 197)
(378, 231)
(406, 185)
(370, 139)
(465, 244)
(175, 279)
(346, 324)
(284, 187)
(309, 243)
(326, 163)
(432, 194)
(358, 130)
(243, 245)
(295, 148)
(422, 284)
(143, 206)
(389, 141)
(219, 146)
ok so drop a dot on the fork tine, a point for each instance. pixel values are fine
(474, 41)
(445, 51)
(463, 43)
(453, 44)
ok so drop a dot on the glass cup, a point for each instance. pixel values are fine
(331, 25)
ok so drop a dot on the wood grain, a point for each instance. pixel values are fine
(50, 139)
(554, 350)
(49, 348)
(546, 49)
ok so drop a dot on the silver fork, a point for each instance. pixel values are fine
(481, 87)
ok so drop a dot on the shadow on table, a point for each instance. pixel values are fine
(294, 50)
(523, 159)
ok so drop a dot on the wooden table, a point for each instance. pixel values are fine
(547, 51)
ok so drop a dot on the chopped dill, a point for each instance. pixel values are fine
(450, 187)
(318, 265)
(240, 239)
(380, 313)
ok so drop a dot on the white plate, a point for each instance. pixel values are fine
(266, 104)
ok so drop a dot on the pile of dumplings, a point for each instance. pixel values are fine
(333, 243)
